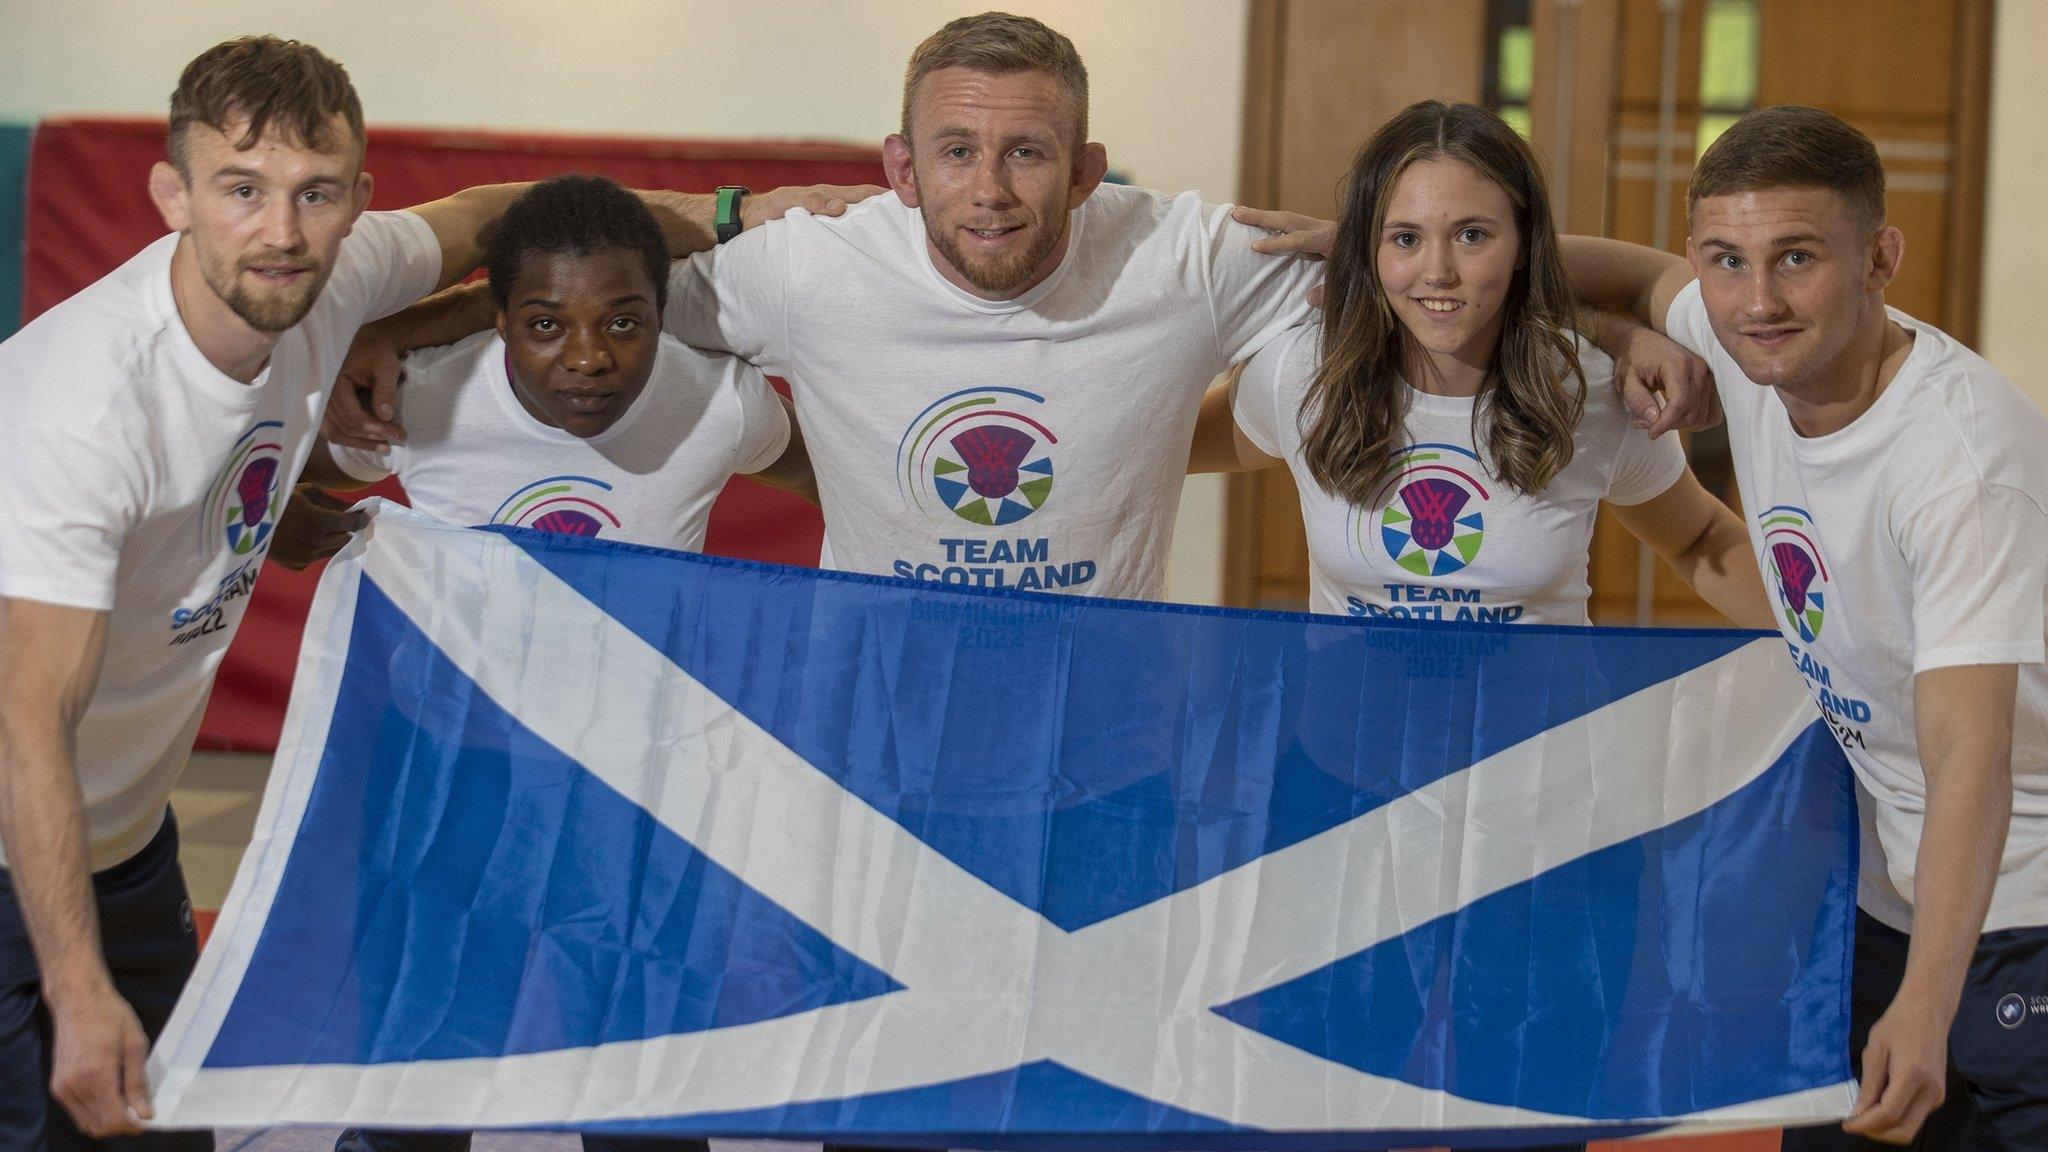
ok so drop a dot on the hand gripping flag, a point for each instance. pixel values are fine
(567, 834)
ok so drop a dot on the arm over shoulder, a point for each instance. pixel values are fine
(389, 260)
(1253, 297)
(734, 298)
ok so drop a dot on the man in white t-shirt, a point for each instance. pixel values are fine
(576, 413)
(1895, 486)
(153, 416)
(997, 368)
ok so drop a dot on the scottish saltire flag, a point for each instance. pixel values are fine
(567, 834)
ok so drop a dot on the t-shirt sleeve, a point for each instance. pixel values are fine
(764, 422)
(1253, 297)
(733, 297)
(1644, 469)
(1979, 559)
(75, 497)
(1267, 405)
(389, 260)
(1687, 323)
(360, 463)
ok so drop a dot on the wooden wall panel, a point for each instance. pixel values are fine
(1576, 50)
(1349, 66)
(1871, 58)
(1633, 173)
(1970, 137)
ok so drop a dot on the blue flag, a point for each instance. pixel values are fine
(569, 834)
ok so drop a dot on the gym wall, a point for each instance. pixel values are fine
(2011, 334)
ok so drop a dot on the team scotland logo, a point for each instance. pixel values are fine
(980, 453)
(570, 505)
(1431, 510)
(242, 506)
(1800, 575)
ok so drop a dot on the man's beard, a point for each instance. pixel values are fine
(270, 312)
(1003, 275)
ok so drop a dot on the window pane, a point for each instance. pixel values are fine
(1517, 65)
(1729, 66)
(1517, 116)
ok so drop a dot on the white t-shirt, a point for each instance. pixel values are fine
(1039, 442)
(474, 455)
(145, 483)
(1444, 539)
(1915, 538)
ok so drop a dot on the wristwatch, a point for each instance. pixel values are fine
(726, 222)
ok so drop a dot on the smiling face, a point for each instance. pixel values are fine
(1789, 276)
(1446, 259)
(581, 333)
(995, 165)
(264, 224)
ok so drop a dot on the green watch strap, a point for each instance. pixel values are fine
(726, 220)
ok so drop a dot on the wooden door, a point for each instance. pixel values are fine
(1322, 74)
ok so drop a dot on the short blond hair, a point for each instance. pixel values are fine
(277, 84)
(1001, 44)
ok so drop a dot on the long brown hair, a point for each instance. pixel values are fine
(1533, 393)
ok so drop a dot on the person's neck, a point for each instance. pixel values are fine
(1441, 373)
(1834, 399)
(227, 341)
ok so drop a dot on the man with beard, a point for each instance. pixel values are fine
(153, 415)
(997, 368)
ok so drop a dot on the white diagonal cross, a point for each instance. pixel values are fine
(990, 984)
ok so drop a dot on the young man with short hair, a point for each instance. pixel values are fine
(154, 414)
(1895, 486)
(998, 367)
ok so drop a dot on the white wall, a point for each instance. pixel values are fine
(1168, 76)
(1167, 84)
(2012, 335)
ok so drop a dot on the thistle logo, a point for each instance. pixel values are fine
(242, 505)
(977, 452)
(1428, 521)
(1801, 576)
(569, 505)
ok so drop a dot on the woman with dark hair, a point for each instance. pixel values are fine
(1450, 433)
